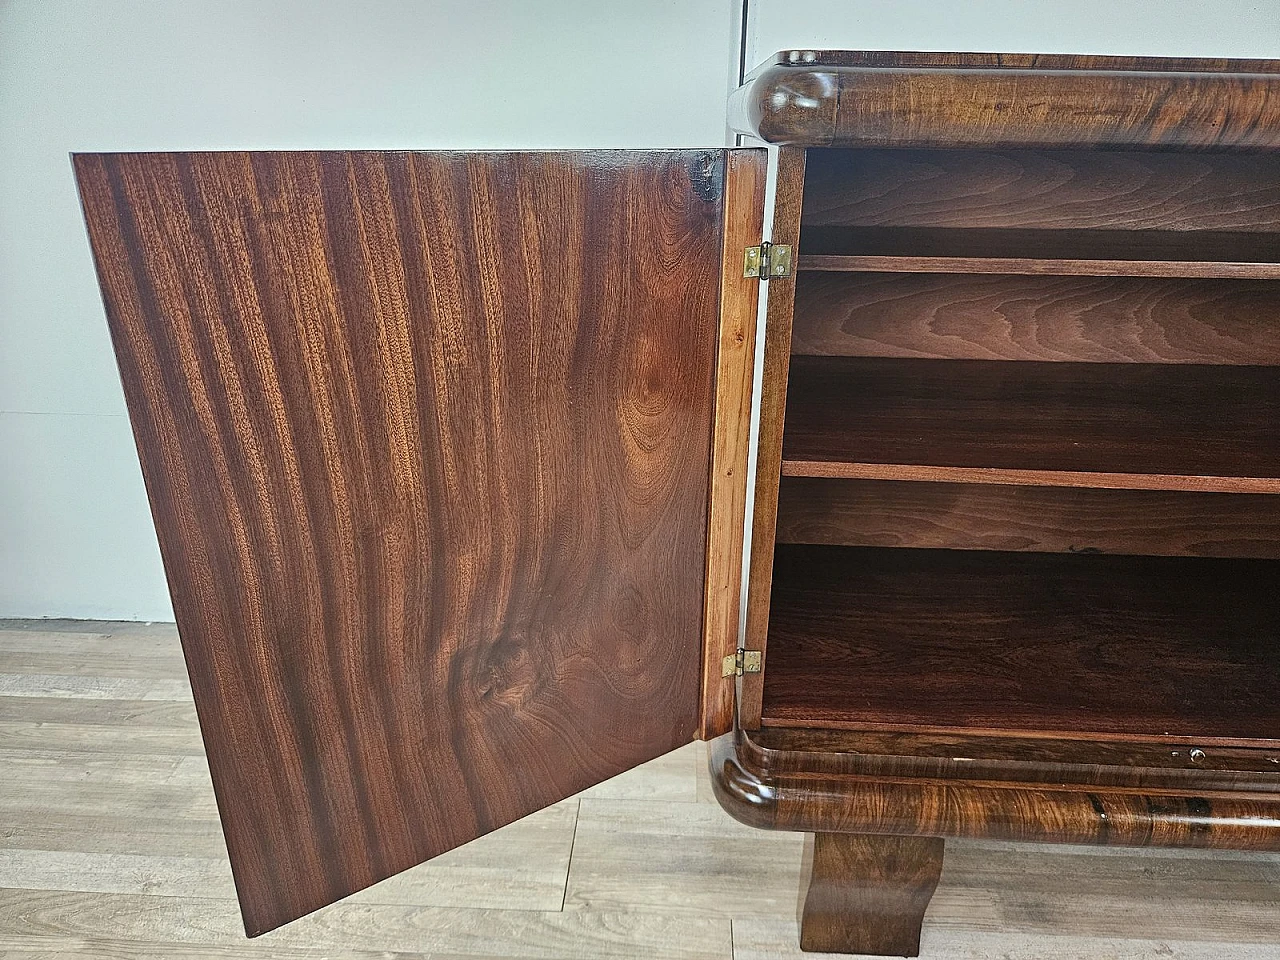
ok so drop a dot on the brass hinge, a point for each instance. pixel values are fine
(767, 260)
(744, 661)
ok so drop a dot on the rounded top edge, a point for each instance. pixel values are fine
(783, 105)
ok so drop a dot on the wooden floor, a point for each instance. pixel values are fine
(110, 847)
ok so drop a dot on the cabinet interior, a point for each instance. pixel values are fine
(1031, 447)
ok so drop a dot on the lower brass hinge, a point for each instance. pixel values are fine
(767, 260)
(744, 661)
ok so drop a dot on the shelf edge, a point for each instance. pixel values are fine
(1024, 266)
(849, 470)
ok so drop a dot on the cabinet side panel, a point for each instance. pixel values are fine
(427, 443)
(745, 173)
(773, 402)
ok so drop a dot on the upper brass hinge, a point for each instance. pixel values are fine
(767, 260)
(744, 661)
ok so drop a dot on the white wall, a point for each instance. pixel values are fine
(1156, 28)
(75, 75)
(75, 534)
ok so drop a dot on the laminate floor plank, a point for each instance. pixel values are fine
(93, 688)
(174, 715)
(106, 833)
(673, 776)
(119, 739)
(679, 858)
(39, 641)
(521, 867)
(55, 948)
(122, 639)
(777, 938)
(439, 931)
(105, 663)
(36, 767)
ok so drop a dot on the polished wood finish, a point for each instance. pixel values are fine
(788, 193)
(744, 195)
(767, 787)
(968, 317)
(1015, 758)
(1121, 426)
(427, 442)
(818, 99)
(1091, 195)
(963, 516)
(867, 894)
(1059, 645)
(1097, 480)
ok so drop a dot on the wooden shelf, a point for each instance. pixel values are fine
(1048, 644)
(975, 516)
(1038, 251)
(1113, 426)
(1063, 319)
(1024, 266)
(1240, 254)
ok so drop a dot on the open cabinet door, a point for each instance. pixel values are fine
(428, 440)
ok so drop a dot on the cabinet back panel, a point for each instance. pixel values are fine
(427, 449)
(1100, 205)
(1174, 425)
(993, 317)
(1147, 648)
(1043, 190)
(887, 513)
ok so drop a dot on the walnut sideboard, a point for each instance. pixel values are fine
(448, 458)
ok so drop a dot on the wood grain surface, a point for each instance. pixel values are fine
(1051, 266)
(1011, 100)
(744, 196)
(788, 198)
(867, 894)
(962, 516)
(1138, 426)
(812, 799)
(427, 442)
(1054, 190)
(1098, 320)
(1018, 758)
(1067, 646)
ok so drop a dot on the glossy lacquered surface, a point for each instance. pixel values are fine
(789, 783)
(843, 98)
(427, 441)
(1021, 578)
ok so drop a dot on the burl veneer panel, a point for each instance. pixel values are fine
(426, 437)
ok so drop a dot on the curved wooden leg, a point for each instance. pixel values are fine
(867, 894)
